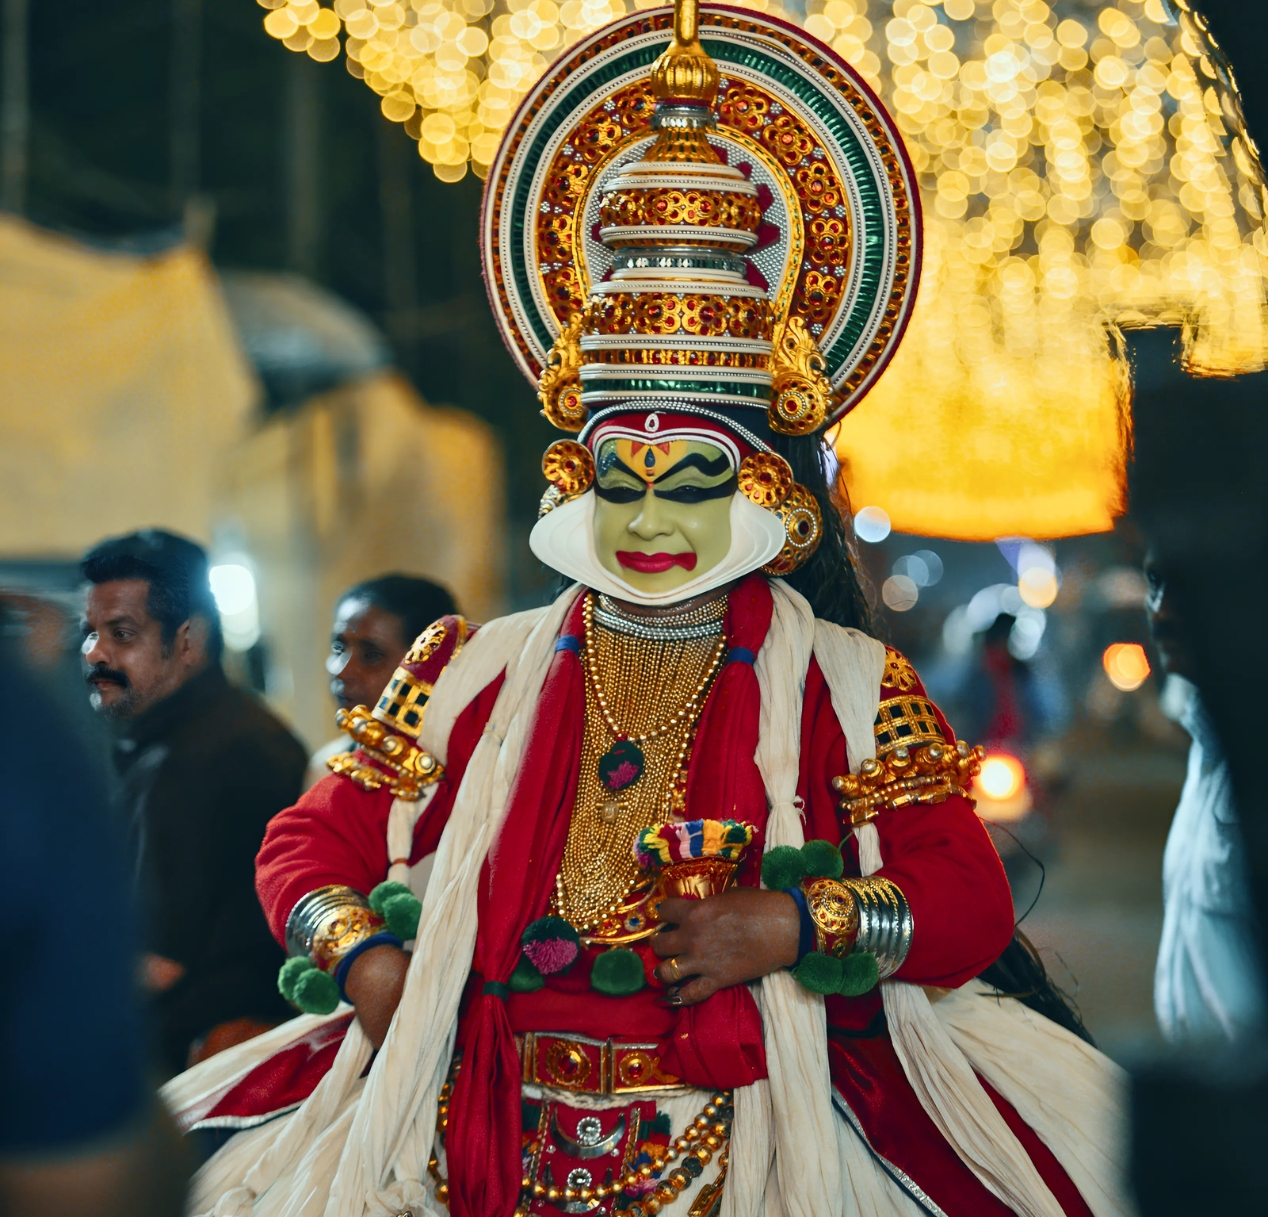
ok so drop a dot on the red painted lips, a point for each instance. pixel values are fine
(654, 564)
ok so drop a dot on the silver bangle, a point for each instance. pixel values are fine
(885, 924)
(328, 922)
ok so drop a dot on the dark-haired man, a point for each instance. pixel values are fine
(203, 766)
(375, 623)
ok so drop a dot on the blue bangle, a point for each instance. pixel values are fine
(806, 943)
(383, 938)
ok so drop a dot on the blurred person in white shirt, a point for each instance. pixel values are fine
(1208, 983)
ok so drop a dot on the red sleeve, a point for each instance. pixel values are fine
(939, 855)
(337, 832)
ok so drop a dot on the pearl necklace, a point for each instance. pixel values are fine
(702, 622)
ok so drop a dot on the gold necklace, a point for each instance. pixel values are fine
(637, 679)
(687, 712)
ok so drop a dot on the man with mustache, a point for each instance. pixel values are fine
(203, 767)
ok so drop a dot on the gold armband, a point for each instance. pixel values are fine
(327, 923)
(399, 763)
(913, 763)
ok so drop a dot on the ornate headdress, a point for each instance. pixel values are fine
(716, 240)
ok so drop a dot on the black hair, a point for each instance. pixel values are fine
(415, 600)
(1019, 973)
(831, 580)
(176, 570)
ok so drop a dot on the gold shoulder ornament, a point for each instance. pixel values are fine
(899, 674)
(913, 763)
(388, 735)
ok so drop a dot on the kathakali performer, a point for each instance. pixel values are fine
(669, 897)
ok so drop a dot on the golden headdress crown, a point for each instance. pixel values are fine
(728, 232)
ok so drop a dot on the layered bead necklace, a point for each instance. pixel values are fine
(646, 682)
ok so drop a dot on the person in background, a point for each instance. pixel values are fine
(1207, 982)
(80, 1130)
(375, 623)
(203, 768)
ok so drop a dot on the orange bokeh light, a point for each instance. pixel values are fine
(1003, 778)
(1126, 665)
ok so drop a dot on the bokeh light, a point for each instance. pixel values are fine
(1038, 588)
(452, 72)
(871, 524)
(233, 588)
(1126, 665)
(914, 567)
(900, 593)
(1079, 165)
(1003, 777)
(1082, 166)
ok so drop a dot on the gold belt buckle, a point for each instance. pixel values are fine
(589, 1066)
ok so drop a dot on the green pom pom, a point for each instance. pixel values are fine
(289, 973)
(384, 892)
(546, 928)
(401, 911)
(820, 973)
(783, 867)
(617, 973)
(661, 1124)
(525, 978)
(823, 860)
(858, 974)
(315, 992)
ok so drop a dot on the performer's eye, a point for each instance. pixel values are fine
(620, 493)
(692, 493)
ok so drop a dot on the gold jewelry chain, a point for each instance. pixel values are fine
(598, 870)
(686, 713)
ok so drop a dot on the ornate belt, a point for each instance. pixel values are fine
(573, 1062)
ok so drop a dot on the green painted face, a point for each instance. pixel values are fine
(662, 512)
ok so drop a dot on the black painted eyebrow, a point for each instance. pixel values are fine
(619, 466)
(697, 460)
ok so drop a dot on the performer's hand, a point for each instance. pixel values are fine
(374, 985)
(725, 940)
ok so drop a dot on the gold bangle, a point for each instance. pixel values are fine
(834, 911)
